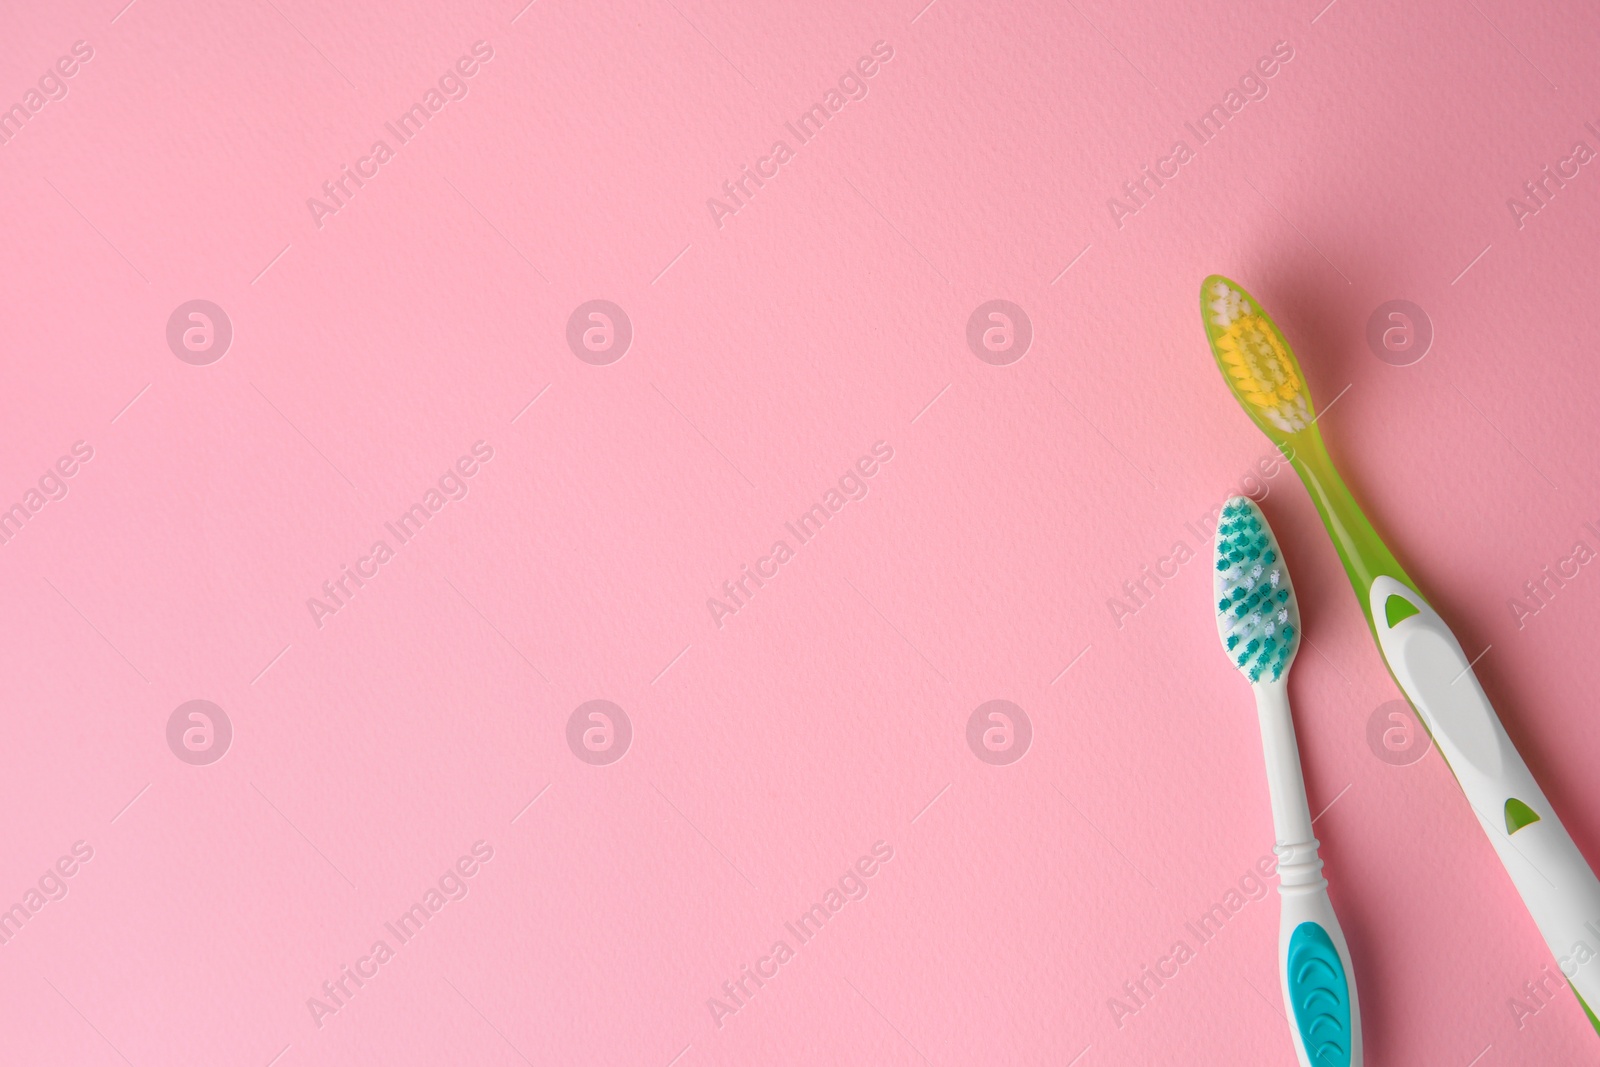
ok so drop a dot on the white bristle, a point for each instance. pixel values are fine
(1258, 584)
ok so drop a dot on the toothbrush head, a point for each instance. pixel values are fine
(1256, 613)
(1255, 360)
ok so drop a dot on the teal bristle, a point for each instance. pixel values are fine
(1256, 613)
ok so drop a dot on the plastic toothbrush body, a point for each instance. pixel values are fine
(1258, 621)
(1556, 883)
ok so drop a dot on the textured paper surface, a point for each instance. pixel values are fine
(1005, 488)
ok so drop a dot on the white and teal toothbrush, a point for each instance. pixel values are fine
(1260, 629)
(1557, 885)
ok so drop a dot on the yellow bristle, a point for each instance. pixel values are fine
(1256, 360)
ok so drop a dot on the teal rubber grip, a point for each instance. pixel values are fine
(1319, 995)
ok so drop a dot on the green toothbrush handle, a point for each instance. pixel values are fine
(1556, 883)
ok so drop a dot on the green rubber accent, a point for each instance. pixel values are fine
(1319, 994)
(1397, 608)
(1592, 1020)
(1519, 815)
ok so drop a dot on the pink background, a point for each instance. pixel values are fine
(768, 354)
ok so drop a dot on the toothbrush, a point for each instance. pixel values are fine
(1259, 623)
(1557, 885)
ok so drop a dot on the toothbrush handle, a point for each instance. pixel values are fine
(1314, 964)
(1318, 982)
(1557, 885)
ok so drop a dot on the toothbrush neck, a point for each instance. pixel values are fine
(1291, 818)
(1299, 866)
(1361, 550)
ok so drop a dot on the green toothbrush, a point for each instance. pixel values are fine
(1557, 885)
